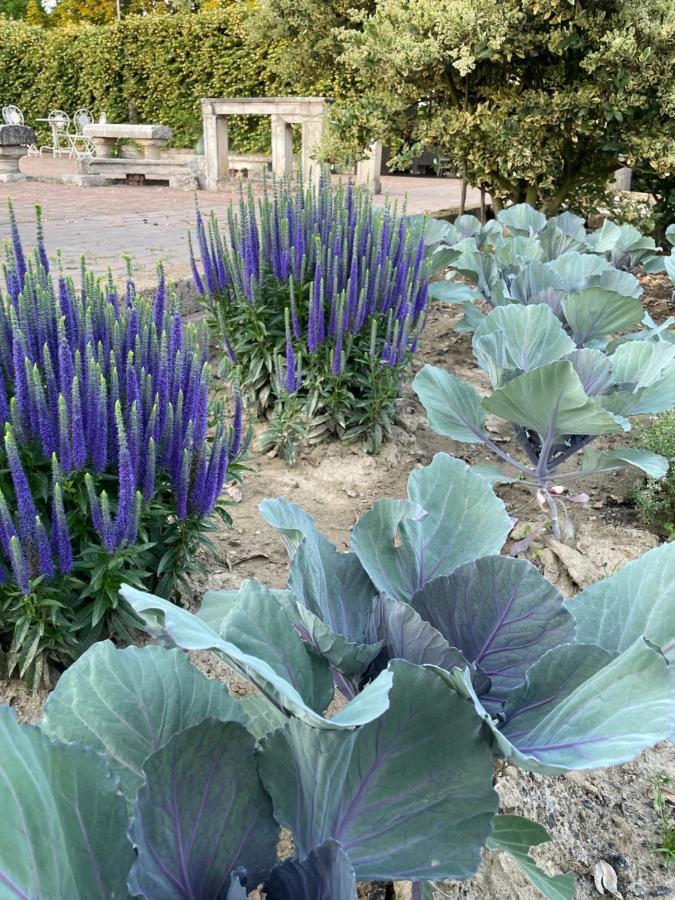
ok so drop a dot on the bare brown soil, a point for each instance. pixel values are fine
(591, 816)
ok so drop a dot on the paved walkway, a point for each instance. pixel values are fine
(151, 222)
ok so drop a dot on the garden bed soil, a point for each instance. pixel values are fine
(591, 816)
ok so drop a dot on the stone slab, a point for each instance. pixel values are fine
(16, 135)
(13, 177)
(128, 131)
(290, 108)
(151, 168)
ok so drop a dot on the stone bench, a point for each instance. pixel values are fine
(151, 138)
(102, 170)
(14, 143)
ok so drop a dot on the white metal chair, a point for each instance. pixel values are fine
(80, 146)
(59, 122)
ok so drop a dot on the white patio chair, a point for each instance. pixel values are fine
(81, 146)
(59, 121)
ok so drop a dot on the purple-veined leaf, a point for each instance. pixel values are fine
(408, 795)
(325, 874)
(129, 703)
(165, 619)
(402, 549)
(500, 613)
(594, 369)
(637, 600)
(65, 821)
(335, 588)
(259, 626)
(583, 708)
(551, 401)
(290, 520)
(202, 816)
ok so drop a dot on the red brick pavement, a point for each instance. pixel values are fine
(150, 222)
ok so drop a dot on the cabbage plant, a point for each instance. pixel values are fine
(525, 258)
(147, 779)
(556, 685)
(557, 394)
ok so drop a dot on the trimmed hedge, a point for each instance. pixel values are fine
(153, 68)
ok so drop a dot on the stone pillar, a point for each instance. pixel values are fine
(152, 148)
(216, 149)
(14, 142)
(368, 171)
(103, 146)
(312, 132)
(282, 146)
(622, 179)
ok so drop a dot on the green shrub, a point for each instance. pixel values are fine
(656, 499)
(154, 68)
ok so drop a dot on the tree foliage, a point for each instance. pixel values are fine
(13, 9)
(537, 99)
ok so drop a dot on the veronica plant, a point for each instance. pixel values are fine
(558, 397)
(525, 258)
(422, 595)
(318, 300)
(109, 468)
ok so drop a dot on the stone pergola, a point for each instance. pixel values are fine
(309, 112)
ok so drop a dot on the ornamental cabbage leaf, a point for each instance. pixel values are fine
(452, 516)
(556, 398)
(345, 785)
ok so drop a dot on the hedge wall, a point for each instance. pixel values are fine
(151, 68)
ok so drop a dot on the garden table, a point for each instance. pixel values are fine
(150, 137)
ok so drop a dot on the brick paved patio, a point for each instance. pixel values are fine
(151, 223)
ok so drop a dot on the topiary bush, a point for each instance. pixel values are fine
(318, 300)
(109, 466)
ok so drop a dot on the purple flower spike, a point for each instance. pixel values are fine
(44, 551)
(60, 535)
(160, 298)
(25, 505)
(19, 566)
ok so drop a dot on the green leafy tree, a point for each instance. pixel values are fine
(536, 99)
(305, 41)
(35, 13)
(13, 9)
